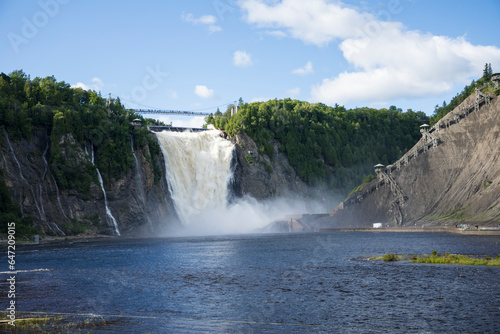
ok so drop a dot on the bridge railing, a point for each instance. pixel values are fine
(174, 112)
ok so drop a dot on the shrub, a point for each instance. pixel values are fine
(390, 257)
(269, 169)
(249, 159)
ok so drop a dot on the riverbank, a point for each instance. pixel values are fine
(47, 239)
(414, 229)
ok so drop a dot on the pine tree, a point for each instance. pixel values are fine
(487, 72)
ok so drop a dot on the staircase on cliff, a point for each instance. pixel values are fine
(432, 137)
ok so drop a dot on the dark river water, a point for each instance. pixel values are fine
(267, 283)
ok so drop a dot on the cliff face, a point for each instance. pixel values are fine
(138, 205)
(451, 176)
(261, 177)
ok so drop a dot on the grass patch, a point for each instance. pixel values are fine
(360, 187)
(445, 258)
(249, 159)
(388, 257)
(45, 323)
(487, 184)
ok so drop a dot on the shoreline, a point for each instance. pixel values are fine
(419, 229)
(48, 240)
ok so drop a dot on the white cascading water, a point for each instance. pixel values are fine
(199, 171)
(198, 166)
(42, 213)
(108, 211)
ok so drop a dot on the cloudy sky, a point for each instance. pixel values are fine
(196, 55)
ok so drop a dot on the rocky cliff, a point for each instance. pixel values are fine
(137, 203)
(259, 176)
(451, 176)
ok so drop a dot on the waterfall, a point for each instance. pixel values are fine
(47, 169)
(40, 197)
(40, 212)
(198, 169)
(14, 155)
(46, 165)
(58, 197)
(108, 211)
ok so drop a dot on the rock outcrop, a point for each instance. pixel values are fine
(139, 205)
(451, 176)
(261, 177)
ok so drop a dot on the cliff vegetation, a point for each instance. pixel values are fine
(331, 146)
(67, 132)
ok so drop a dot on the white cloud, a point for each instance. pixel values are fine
(307, 69)
(242, 59)
(81, 85)
(203, 91)
(276, 33)
(207, 20)
(213, 29)
(313, 21)
(404, 64)
(294, 92)
(389, 60)
(96, 85)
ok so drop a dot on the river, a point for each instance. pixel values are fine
(262, 283)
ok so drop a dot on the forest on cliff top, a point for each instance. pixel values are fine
(327, 145)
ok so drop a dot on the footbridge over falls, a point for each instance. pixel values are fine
(155, 128)
(174, 112)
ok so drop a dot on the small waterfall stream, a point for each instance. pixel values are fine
(108, 211)
(47, 169)
(40, 211)
(58, 196)
(14, 155)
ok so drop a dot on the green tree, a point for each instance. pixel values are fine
(487, 72)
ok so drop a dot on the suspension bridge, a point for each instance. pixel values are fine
(172, 112)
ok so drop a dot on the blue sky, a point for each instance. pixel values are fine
(197, 55)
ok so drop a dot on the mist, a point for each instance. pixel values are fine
(198, 167)
(246, 215)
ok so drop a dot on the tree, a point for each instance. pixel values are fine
(487, 72)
